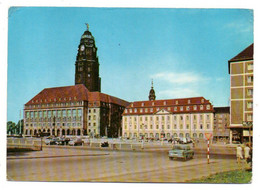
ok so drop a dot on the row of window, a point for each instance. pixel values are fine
(54, 113)
(54, 125)
(167, 118)
(56, 119)
(151, 110)
(200, 126)
(167, 135)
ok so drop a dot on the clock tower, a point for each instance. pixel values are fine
(87, 64)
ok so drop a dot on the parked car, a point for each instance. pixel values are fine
(51, 141)
(104, 144)
(75, 142)
(181, 151)
(63, 141)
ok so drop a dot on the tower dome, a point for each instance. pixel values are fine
(152, 93)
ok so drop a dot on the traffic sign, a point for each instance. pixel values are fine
(208, 135)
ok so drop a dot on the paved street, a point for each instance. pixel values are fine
(74, 164)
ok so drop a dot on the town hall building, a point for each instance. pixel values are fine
(80, 109)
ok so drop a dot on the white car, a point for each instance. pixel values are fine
(76, 141)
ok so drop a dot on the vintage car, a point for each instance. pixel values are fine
(181, 151)
(76, 141)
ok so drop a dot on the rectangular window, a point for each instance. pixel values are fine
(74, 113)
(249, 92)
(31, 114)
(64, 113)
(40, 114)
(250, 66)
(79, 112)
(250, 79)
(49, 114)
(249, 117)
(207, 126)
(69, 113)
(195, 126)
(249, 104)
(44, 114)
(54, 113)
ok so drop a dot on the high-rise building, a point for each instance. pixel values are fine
(241, 95)
(80, 109)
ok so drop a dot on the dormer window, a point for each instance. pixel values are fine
(141, 110)
(132, 105)
(175, 108)
(153, 103)
(201, 107)
(187, 108)
(181, 108)
(208, 107)
(142, 104)
(125, 110)
(164, 103)
(202, 100)
(176, 102)
(135, 110)
(195, 107)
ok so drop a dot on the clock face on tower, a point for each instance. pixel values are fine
(82, 47)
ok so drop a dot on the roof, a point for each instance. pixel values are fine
(222, 109)
(246, 54)
(73, 93)
(168, 105)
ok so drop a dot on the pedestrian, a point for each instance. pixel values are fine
(247, 153)
(239, 154)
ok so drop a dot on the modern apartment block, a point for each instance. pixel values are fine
(241, 95)
(221, 124)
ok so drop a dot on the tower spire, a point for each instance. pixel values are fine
(87, 26)
(152, 93)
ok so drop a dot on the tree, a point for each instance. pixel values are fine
(10, 127)
(19, 127)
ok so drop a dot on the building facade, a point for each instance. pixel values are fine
(221, 124)
(80, 109)
(241, 95)
(171, 118)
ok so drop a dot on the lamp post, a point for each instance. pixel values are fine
(248, 124)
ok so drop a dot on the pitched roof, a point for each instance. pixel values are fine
(246, 54)
(73, 93)
(60, 94)
(98, 96)
(169, 105)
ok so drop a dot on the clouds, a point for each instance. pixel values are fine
(179, 85)
(178, 78)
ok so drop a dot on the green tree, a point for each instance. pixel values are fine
(10, 127)
(19, 127)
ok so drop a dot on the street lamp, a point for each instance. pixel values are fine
(248, 124)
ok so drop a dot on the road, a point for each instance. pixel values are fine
(61, 164)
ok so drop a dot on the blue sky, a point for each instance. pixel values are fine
(184, 51)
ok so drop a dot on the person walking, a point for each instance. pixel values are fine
(239, 154)
(247, 153)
